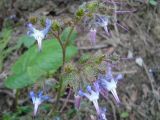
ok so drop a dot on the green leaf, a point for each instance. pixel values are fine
(19, 80)
(65, 34)
(5, 37)
(27, 41)
(24, 109)
(10, 116)
(124, 115)
(153, 2)
(84, 58)
(32, 65)
(45, 107)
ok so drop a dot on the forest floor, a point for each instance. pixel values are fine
(139, 91)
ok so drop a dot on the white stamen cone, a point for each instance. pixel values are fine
(114, 92)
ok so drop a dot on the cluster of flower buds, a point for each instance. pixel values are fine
(104, 84)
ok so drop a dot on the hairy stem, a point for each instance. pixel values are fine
(16, 99)
(63, 46)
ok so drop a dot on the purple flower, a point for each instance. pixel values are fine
(109, 83)
(102, 21)
(39, 35)
(93, 36)
(102, 115)
(92, 95)
(37, 100)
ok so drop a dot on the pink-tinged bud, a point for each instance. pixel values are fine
(93, 36)
(77, 101)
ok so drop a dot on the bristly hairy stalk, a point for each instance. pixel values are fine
(63, 46)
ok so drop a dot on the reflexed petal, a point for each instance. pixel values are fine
(32, 96)
(109, 75)
(89, 89)
(48, 22)
(45, 98)
(30, 27)
(30, 33)
(96, 85)
(48, 25)
(81, 93)
(40, 93)
(119, 77)
(90, 97)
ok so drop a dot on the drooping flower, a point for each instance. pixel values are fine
(92, 34)
(39, 35)
(102, 115)
(92, 95)
(109, 82)
(37, 100)
(102, 21)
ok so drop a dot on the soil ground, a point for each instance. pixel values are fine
(139, 91)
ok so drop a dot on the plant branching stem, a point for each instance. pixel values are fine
(63, 46)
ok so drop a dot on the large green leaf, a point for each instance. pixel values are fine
(26, 40)
(33, 64)
(153, 2)
(5, 37)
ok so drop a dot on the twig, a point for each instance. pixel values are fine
(151, 82)
(113, 109)
(93, 47)
(125, 72)
(8, 93)
(115, 21)
(66, 101)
